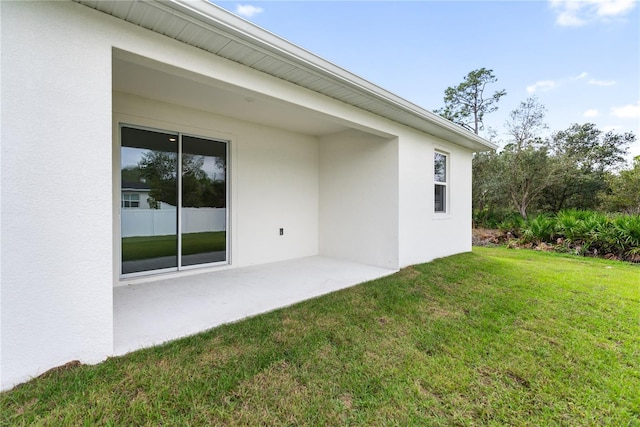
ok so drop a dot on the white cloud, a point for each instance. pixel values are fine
(614, 7)
(591, 113)
(576, 13)
(547, 85)
(568, 19)
(631, 111)
(543, 85)
(602, 82)
(248, 10)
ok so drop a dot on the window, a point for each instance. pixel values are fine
(130, 200)
(440, 182)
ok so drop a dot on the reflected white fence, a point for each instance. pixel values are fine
(159, 222)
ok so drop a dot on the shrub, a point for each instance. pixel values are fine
(489, 218)
(583, 233)
(512, 224)
(567, 222)
(627, 228)
(539, 229)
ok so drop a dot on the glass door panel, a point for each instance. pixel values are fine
(149, 200)
(204, 201)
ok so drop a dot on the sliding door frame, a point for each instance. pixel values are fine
(179, 182)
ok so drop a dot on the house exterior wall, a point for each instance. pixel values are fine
(57, 130)
(425, 234)
(359, 198)
(56, 279)
(336, 195)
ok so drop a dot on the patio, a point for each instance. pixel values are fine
(151, 313)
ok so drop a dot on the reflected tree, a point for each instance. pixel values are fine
(160, 170)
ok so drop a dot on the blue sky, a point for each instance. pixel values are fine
(581, 59)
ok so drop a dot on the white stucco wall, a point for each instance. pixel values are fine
(424, 234)
(359, 198)
(335, 195)
(277, 188)
(56, 152)
(273, 173)
(57, 113)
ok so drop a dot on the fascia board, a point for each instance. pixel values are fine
(231, 24)
(211, 17)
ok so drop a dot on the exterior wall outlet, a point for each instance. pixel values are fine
(282, 231)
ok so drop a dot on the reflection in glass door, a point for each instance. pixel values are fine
(173, 201)
(204, 201)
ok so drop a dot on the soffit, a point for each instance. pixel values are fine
(149, 79)
(209, 27)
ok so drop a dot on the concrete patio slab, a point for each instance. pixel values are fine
(155, 312)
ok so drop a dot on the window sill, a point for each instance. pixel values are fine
(439, 216)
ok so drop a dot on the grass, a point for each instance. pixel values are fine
(493, 337)
(135, 248)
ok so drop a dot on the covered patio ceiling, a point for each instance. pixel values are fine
(149, 79)
(209, 27)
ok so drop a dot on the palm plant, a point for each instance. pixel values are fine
(627, 228)
(567, 224)
(539, 229)
(512, 224)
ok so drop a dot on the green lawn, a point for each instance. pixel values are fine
(493, 337)
(135, 248)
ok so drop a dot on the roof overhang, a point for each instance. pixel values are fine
(209, 27)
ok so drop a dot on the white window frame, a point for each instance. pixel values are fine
(128, 199)
(437, 183)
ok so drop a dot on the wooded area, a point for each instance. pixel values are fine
(580, 167)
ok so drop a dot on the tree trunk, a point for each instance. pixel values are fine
(475, 121)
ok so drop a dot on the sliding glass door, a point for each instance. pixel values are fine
(173, 210)
(204, 201)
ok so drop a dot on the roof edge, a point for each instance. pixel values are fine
(211, 13)
(212, 17)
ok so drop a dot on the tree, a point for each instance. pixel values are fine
(488, 191)
(587, 155)
(526, 169)
(466, 104)
(623, 194)
(591, 149)
(527, 173)
(160, 170)
(519, 175)
(131, 174)
(526, 122)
